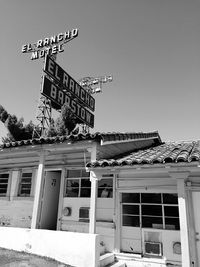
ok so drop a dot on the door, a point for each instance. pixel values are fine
(195, 198)
(50, 200)
(131, 241)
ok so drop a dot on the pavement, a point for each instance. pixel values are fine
(10, 258)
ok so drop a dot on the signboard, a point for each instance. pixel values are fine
(49, 46)
(66, 82)
(60, 97)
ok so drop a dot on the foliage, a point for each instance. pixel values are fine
(17, 130)
(64, 124)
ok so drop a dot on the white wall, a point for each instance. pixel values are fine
(16, 213)
(105, 208)
(76, 249)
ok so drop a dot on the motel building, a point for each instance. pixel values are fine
(103, 199)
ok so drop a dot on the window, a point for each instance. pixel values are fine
(77, 184)
(105, 188)
(25, 184)
(3, 184)
(150, 210)
(84, 214)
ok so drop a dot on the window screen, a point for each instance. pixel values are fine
(4, 183)
(25, 184)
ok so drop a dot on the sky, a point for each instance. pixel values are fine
(150, 47)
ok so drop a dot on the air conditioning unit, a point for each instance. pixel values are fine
(153, 248)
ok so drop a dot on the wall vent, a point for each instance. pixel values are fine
(153, 248)
(84, 214)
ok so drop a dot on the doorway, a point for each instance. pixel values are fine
(50, 200)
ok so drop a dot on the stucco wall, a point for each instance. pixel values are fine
(16, 213)
(76, 249)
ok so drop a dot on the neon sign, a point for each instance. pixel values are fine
(49, 46)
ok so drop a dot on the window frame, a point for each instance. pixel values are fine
(80, 187)
(8, 184)
(111, 193)
(78, 179)
(20, 185)
(163, 226)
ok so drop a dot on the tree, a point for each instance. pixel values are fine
(64, 124)
(17, 130)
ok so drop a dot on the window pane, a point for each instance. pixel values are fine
(170, 198)
(85, 183)
(25, 191)
(4, 186)
(105, 183)
(172, 223)
(25, 184)
(85, 174)
(85, 192)
(155, 210)
(74, 173)
(84, 214)
(130, 198)
(72, 188)
(3, 180)
(131, 209)
(105, 188)
(3, 191)
(152, 222)
(27, 174)
(3, 183)
(133, 221)
(72, 192)
(26, 180)
(4, 175)
(150, 198)
(85, 188)
(72, 183)
(171, 211)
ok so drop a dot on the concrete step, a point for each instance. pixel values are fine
(106, 259)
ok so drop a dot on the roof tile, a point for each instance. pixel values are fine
(170, 152)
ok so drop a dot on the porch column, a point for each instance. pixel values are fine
(183, 217)
(38, 186)
(93, 202)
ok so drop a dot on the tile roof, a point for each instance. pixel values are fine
(105, 137)
(170, 152)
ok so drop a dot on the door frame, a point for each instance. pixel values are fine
(118, 199)
(60, 201)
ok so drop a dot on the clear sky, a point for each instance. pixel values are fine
(151, 47)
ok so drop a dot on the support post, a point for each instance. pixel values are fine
(93, 202)
(38, 186)
(183, 216)
(184, 228)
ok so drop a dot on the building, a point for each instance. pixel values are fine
(139, 196)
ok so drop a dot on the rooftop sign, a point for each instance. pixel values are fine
(49, 46)
(68, 84)
(59, 98)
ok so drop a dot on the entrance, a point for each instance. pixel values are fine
(131, 235)
(50, 200)
(150, 224)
